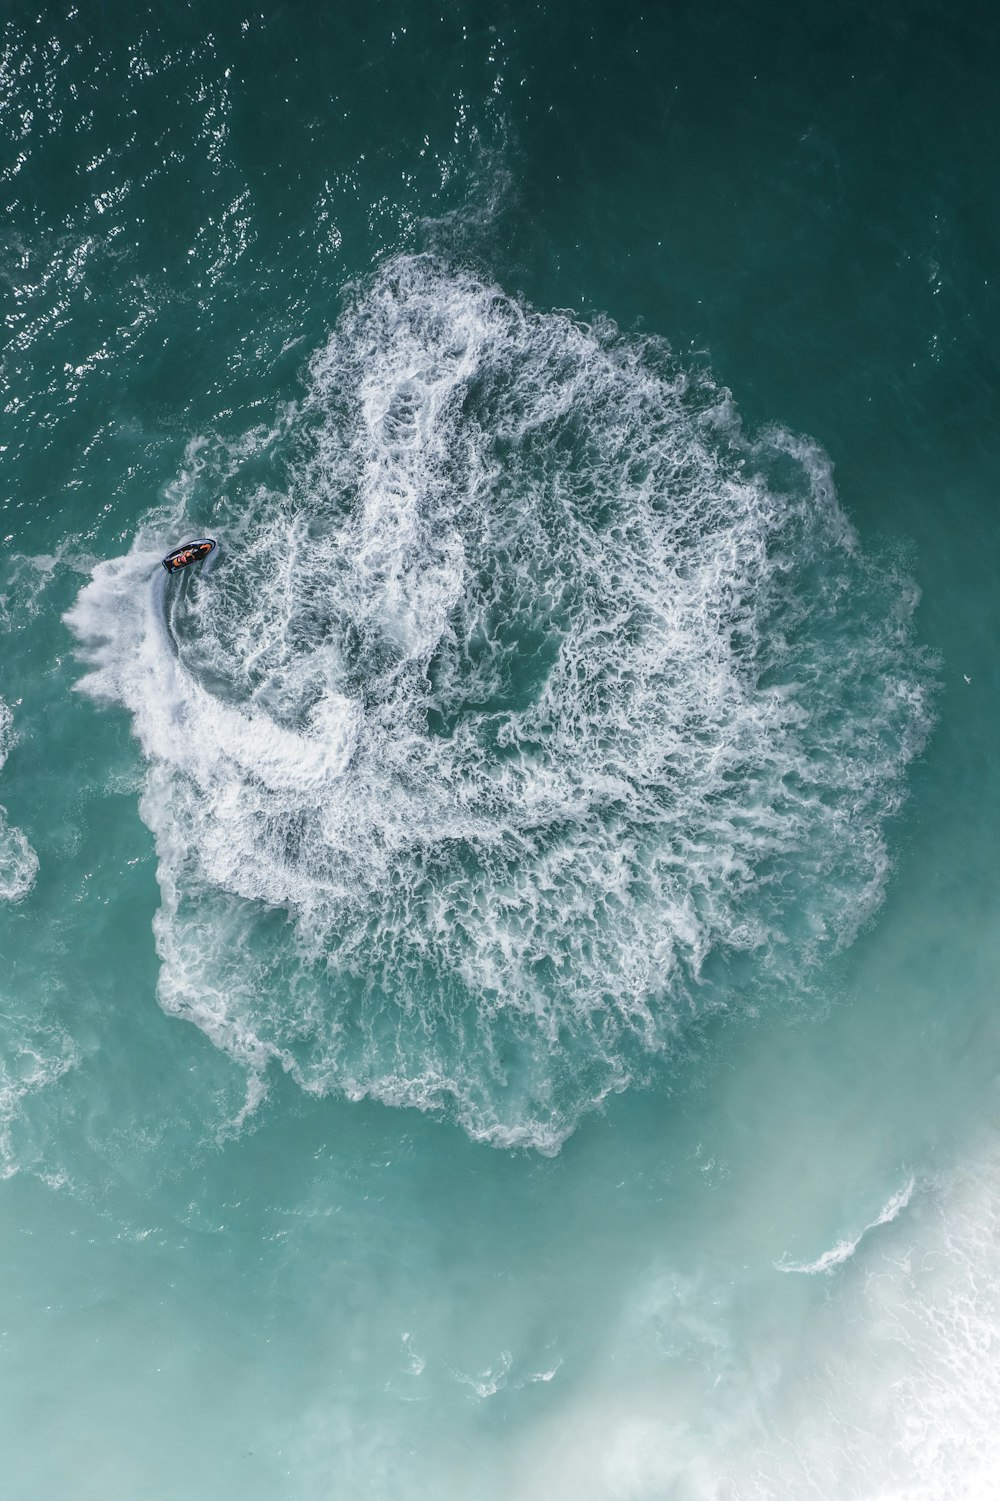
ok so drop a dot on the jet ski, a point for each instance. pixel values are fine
(191, 552)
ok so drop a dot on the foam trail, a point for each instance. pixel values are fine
(551, 709)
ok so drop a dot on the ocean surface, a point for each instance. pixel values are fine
(500, 968)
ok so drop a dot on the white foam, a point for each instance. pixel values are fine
(528, 684)
(487, 1383)
(901, 1398)
(33, 1057)
(845, 1249)
(881, 1387)
(18, 861)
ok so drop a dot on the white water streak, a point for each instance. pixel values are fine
(845, 1249)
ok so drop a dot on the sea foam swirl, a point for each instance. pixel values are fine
(533, 710)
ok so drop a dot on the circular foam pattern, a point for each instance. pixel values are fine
(532, 710)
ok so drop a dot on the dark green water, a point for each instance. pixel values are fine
(499, 993)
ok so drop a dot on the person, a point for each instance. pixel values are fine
(186, 555)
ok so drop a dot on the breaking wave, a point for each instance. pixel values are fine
(884, 1387)
(533, 711)
(842, 1252)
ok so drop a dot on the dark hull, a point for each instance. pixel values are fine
(191, 552)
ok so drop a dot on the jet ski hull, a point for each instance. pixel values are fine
(191, 552)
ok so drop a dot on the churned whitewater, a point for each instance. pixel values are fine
(18, 861)
(498, 990)
(554, 711)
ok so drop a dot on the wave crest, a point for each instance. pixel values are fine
(18, 861)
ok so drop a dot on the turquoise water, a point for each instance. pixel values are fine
(499, 993)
